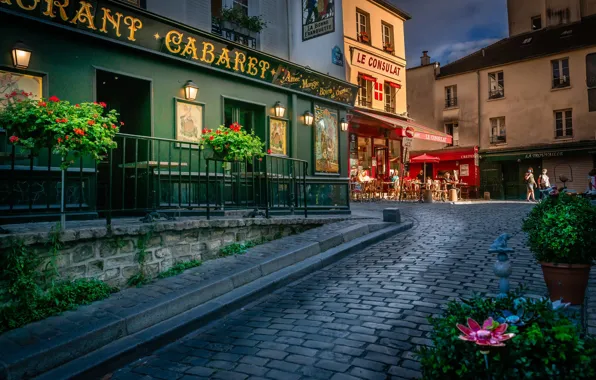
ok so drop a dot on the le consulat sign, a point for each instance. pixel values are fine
(134, 27)
(377, 64)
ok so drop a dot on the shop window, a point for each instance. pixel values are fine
(250, 116)
(388, 44)
(389, 98)
(560, 69)
(363, 26)
(536, 22)
(496, 85)
(365, 92)
(563, 124)
(453, 130)
(242, 5)
(497, 131)
(450, 96)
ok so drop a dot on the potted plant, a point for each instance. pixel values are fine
(562, 235)
(231, 144)
(364, 37)
(235, 19)
(388, 48)
(71, 131)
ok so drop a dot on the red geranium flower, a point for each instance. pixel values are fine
(13, 139)
(226, 133)
(268, 151)
(66, 137)
(204, 130)
(59, 140)
(91, 122)
(121, 123)
(113, 126)
(54, 99)
(211, 137)
(218, 132)
(211, 130)
(77, 106)
(103, 105)
(42, 104)
(79, 131)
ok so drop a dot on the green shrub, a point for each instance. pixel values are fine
(547, 346)
(180, 267)
(562, 230)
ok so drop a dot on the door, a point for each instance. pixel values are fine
(381, 162)
(513, 184)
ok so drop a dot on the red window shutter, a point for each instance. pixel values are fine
(378, 91)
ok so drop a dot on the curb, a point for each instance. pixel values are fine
(118, 353)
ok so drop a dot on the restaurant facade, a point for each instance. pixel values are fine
(148, 68)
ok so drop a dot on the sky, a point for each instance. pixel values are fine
(451, 29)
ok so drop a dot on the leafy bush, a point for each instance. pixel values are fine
(562, 230)
(180, 267)
(546, 346)
(233, 142)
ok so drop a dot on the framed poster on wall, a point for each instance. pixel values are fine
(318, 18)
(278, 136)
(190, 117)
(464, 170)
(326, 144)
(16, 83)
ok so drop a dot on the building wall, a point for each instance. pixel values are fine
(378, 14)
(421, 102)
(196, 13)
(521, 12)
(316, 52)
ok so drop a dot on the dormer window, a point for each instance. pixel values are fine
(536, 22)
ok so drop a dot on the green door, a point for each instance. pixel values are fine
(514, 187)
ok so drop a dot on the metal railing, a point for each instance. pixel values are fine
(389, 108)
(498, 139)
(451, 102)
(496, 94)
(364, 103)
(147, 176)
(561, 82)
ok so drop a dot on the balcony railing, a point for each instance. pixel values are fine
(389, 108)
(561, 82)
(496, 94)
(363, 103)
(147, 176)
(451, 102)
(498, 139)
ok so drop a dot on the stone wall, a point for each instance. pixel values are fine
(112, 256)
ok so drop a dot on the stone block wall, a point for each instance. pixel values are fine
(113, 256)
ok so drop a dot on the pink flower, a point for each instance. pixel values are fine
(13, 139)
(54, 99)
(490, 334)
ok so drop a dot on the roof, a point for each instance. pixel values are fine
(525, 46)
(390, 4)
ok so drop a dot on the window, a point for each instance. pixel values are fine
(536, 22)
(591, 80)
(453, 130)
(362, 27)
(563, 124)
(242, 5)
(389, 98)
(497, 131)
(365, 92)
(378, 91)
(387, 38)
(450, 96)
(560, 73)
(496, 85)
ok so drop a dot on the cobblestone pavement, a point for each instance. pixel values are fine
(363, 317)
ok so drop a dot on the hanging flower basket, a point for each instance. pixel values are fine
(231, 144)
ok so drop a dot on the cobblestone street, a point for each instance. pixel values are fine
(363, 317)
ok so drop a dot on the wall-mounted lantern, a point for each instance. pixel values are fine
(344, 124)
(280, 110)
(191, 90)
(308, 118)
(21, 55)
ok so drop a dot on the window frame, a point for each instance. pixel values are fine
(368, 92)
(498, 93)
(239, 4)
(566, 123)
(451, 102)
(556, 80)
(386, 26)
(501, 128)
(390, 97)
(454, 126)
(537, 17)
(366, 16)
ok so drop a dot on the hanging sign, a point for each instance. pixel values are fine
(318, 18)
(364, 59)
(132, 26)
(406, 142)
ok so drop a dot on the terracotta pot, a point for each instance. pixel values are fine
(567, 281)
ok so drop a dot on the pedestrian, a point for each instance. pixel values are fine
(530, 185)
(543, 183)
(591, 184)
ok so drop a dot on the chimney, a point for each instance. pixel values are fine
(425, 59)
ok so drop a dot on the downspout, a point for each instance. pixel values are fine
(479, 117)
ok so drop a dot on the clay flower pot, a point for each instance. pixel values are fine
(567, 281)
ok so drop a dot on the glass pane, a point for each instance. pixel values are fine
(591, 70)
(566, 67)
(592, 99)
(555, 65)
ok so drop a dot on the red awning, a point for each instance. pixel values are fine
(399, 125)
(367, 77)
(394, 85)
(451, 154)
(425, 158)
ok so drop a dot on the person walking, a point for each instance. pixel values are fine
(543, 183)
(530, 185)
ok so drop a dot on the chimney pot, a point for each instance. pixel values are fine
(425, 59)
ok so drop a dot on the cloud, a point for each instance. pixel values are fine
(453, 52)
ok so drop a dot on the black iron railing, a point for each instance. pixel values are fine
(147, 176)
(451, 102)
(496, 94)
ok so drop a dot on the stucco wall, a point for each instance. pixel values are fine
(421, 99)
(520, 13)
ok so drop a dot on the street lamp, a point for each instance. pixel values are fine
(191, 90)
(344, 124)
(21, 55)
(308, 118)
(280, 110)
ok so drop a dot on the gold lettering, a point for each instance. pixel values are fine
(27, 8)
(84, 15)
(190, 48)
(50, 9)
(240, 61)
(264, 65)
(224, 57)
(208, 49)
(134, 24)
(115, 21)
(252, 66)
(174, 37)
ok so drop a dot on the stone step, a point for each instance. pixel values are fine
(124, 327)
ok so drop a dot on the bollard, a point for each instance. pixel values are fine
(391, 215)
(502, 266)
(487, 196)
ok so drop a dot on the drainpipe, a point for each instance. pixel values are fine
(479, 116)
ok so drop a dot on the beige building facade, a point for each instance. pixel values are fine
(527, 100)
